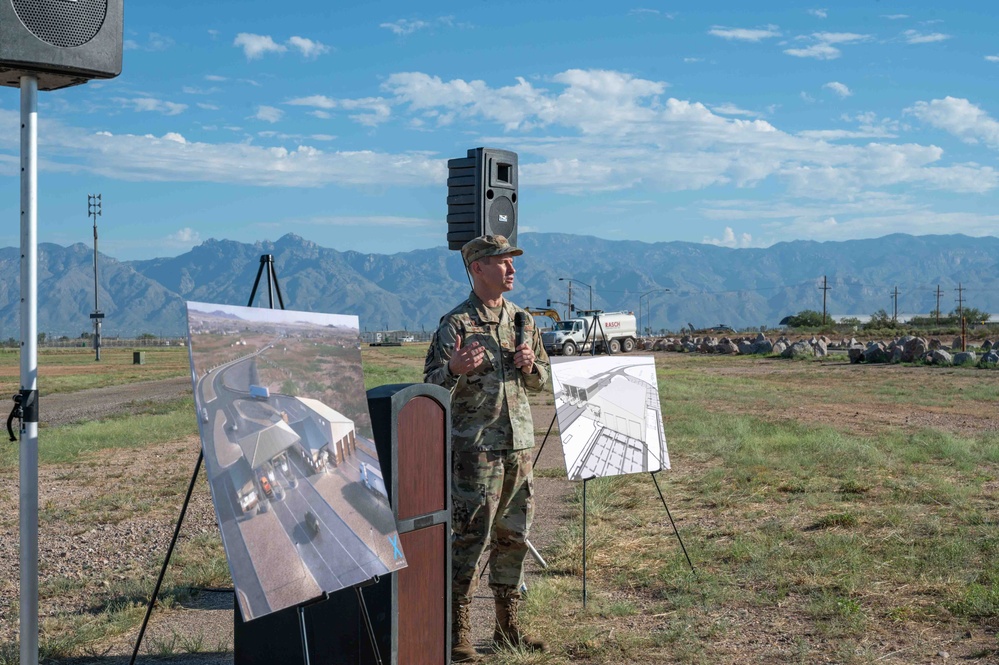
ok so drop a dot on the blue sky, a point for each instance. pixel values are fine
(733, 123)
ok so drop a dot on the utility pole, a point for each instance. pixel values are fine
(960, 302)
(960, 316)
(938, 304)
(825, 287)
(894, 297)
(94, 210)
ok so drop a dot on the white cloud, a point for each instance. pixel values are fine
(318, 101)
(693, 59)
(151, 104)
(992, 58)
(208, 107)
(405, 26)
(819, 13)
(961, 118)
(308, 48)
(732, 109)
(839, 88)
(894, 17)
(184, 236)
(651, 12)
(215, 78)
(729, 239)
(373, 110)
(153, 42)
(822, 47)
(257, 46)
(577, 131)
(268, 114)
(916, 37)
(745, 34)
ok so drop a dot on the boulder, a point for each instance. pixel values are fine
(780, 347)
(800, 349)
(876, 353)
(987, 345)
(820, 347)
(934, 344)
(727, 346)
(896, 354)
(965, 358)
(855, 353)
(763, 347)
(746, 348)
(957, 343)
(914, 349)
(990, 359)
(939, 357)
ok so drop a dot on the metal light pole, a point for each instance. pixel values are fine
(571, 280)
(649, 305)
(27, 398)
(94, 210)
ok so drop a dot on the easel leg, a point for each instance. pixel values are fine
(585, 480)
(367, 625)
(166, 561)
(544, 440)
(305, 638)
(656, 481)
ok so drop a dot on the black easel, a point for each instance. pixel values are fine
(266, 264)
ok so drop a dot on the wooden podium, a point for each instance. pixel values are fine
(410, 610)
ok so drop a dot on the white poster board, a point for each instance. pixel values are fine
(289, 453)
(609, 416)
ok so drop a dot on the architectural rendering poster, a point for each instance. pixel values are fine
(609, 415)
(289, 453)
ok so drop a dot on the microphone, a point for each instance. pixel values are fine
(519, 321)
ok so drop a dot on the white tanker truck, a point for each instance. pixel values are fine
(569, 337)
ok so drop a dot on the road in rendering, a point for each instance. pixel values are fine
(335, 557)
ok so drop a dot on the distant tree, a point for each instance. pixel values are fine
(806, 318)
(147, 336)
(971, 315)
(41, 338)
(849, 321)
(86, 335)
(880, 319)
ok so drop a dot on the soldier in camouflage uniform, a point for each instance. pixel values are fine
(474, 355)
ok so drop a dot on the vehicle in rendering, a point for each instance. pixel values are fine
(311, 524)
(265, 485)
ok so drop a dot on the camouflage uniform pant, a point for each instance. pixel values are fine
(492, 499)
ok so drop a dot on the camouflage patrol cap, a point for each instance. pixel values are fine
(490, 245)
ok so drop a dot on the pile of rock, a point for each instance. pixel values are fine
(906, 349)
(911, 349)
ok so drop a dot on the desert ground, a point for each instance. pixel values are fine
(102, 541)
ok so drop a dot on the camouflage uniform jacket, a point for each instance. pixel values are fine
(489, 407)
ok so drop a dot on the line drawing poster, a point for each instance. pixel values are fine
(609, 415)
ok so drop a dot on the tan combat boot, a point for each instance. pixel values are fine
(508, 630)
(462, 650)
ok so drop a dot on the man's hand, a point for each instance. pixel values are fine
(465, 359)
(524, 358)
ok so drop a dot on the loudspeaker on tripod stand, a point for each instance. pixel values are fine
(60, 42)
(482, 196)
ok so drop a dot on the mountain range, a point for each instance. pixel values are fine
(674, 283)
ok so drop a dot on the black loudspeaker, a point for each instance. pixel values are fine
(482, 196)
(60, 42)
